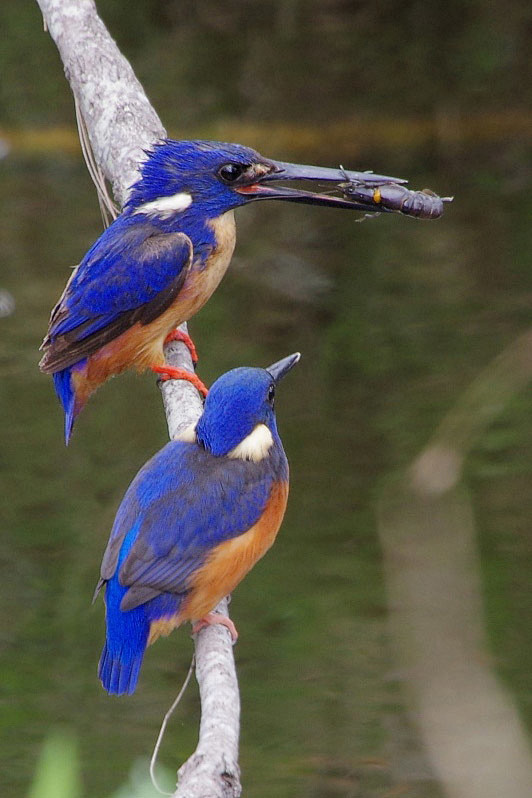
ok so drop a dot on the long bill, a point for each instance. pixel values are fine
(282, 171)
(282, 367)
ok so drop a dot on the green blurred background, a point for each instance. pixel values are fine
(394, 319)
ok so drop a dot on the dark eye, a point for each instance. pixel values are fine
(230, 172)
(271, 394)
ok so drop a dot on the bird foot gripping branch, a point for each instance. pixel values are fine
(213, 618)
(173, 373)
(184, 338)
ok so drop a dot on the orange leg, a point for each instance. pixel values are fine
(177, 335)
(172, 373)
(212, 618)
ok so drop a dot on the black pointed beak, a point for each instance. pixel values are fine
(282, 367)
(281, 171)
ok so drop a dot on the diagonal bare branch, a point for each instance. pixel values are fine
(120, 124)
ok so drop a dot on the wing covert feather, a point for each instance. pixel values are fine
(187, 502)
(130, 275)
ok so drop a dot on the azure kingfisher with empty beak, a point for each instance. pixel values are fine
(194, 521)
(163, 257)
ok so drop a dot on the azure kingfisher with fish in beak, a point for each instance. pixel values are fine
(194, 521)
(162, 258)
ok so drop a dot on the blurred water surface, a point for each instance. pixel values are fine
(394, 318)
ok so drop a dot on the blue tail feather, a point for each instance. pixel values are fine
(127, 631)
(126, 640)
(119, 671)
(65, 391)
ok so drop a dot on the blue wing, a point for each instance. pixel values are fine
(131, 274)
(183, 503)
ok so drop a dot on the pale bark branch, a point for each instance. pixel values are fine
(121, 124)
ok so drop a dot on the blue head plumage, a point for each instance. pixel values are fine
(237, 403)
(197, 172)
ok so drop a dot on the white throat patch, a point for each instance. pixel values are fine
(166, 206)
(255, 446)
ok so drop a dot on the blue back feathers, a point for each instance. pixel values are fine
(119, 272)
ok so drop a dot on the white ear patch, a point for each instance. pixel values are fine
(166, 206)
(188, 435)
(255, 446)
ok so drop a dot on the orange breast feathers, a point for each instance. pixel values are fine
(140, 347)
(227, 565)
(229, 562)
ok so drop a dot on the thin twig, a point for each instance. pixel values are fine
(164, 724)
